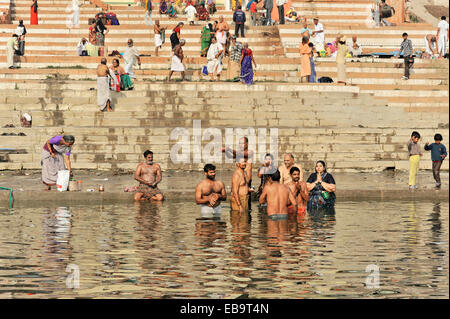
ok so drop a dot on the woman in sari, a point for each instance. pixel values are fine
(205, 39)
(123, 77)
(55, 157)
(92, 36)
(305, 52)
(163, 7)
(34, 12)
(176, 35)
(322, 188)
(246, 65)
(171, 12)
(202, 13)
(312, 77)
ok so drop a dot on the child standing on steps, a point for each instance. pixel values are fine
(438, 154)
(414, 158)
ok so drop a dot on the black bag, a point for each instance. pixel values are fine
(387, 11)
(325, 79)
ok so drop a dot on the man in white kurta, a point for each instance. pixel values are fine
(131, 56)
(215, 53)
(442, 36)
(190, 13)
(318, 35)
(11, 46)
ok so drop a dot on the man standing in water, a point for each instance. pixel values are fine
(209, 193)
(148, 174)
(278, 197)
(285, 169)
(242, 152)
(299, 190)
(239, 188)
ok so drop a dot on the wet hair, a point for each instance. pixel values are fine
(147, 152)
(270, 155)
(438, 137)
(310, 44)
(404, 34)
(323, 164)
(69, 138)
(209, 167)
(276, 176)
(443, 18)
(294, 169)
(415, 134)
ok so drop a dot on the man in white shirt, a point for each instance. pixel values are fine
(215, 54)
(190, 13)
(318, 35)
(131, 55)
(442, 36)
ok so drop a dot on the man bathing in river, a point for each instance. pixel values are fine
(278, 197)
(148, 174)
(242, 152)
(209, 193)
(239, 188)
(299, 189)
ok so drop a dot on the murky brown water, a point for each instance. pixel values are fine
(162, 251)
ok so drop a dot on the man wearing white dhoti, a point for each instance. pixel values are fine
(159, 32)
(76, 13)
(215, 54)
(11, 46)
(442, 36)
(190, 13)
(177, 60)
(430, 46)
(103, 94)
(131, 56)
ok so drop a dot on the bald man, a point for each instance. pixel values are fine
(286, 167)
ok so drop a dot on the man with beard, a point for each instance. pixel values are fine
(209, 193)
(148, 174)
(239, 188)
(299, 189)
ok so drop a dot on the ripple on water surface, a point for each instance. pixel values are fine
(166, 251)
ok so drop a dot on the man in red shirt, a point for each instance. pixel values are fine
(253, 12)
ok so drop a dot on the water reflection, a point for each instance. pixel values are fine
(154, 250)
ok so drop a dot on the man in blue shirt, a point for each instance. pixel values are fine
(438, 154)
(239, 20)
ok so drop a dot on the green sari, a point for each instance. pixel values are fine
(206, 40)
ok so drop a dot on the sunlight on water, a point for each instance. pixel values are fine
(166, 251)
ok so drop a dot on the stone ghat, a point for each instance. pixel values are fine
(351, 130)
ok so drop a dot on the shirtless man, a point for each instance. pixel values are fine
(148, 174)
(177, 60)
(158, 40)
(430, 46)
(299, 190)
(103, 94)
(247, 154)
(209, 193)
(278, 197)
(239, 187)
(285, 169)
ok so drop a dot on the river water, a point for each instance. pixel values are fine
(146, 250)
